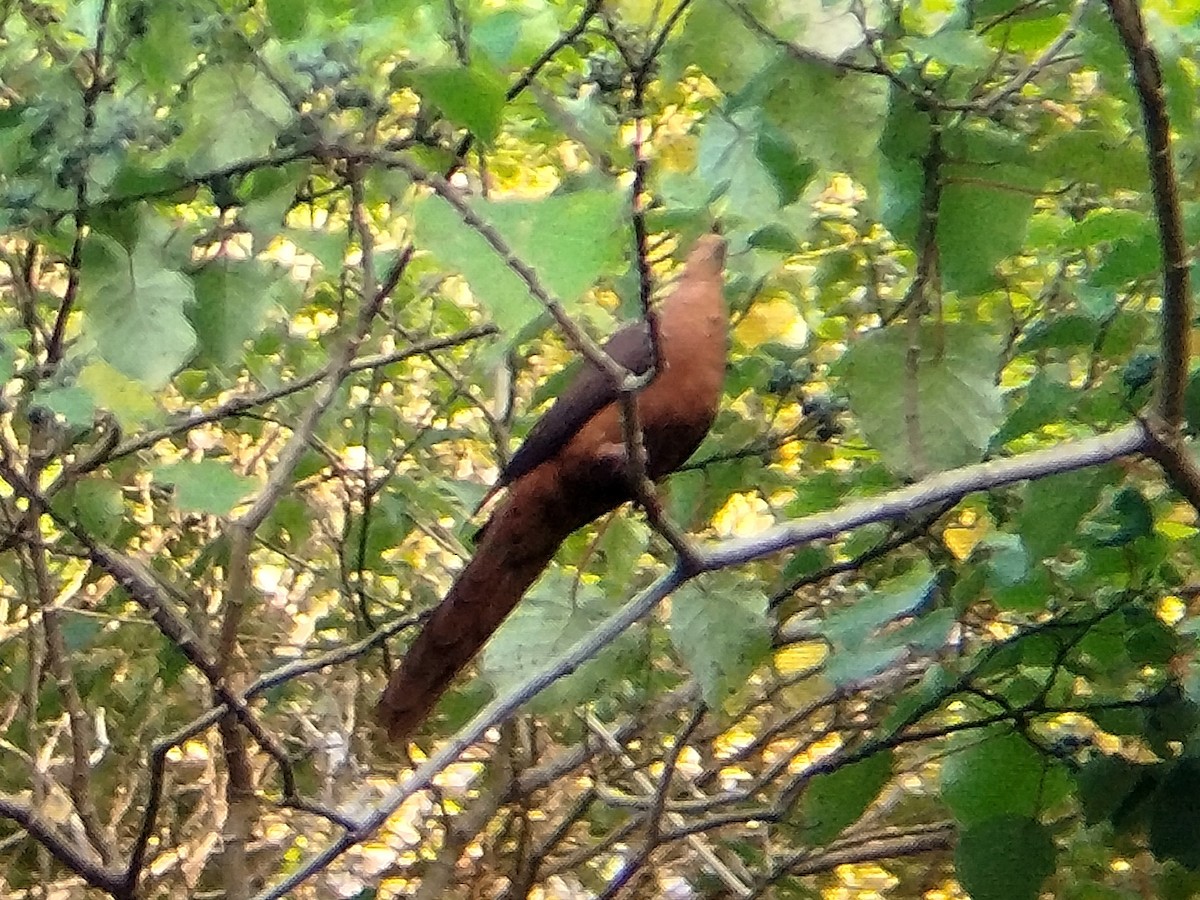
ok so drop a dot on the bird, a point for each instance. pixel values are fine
(570, 470)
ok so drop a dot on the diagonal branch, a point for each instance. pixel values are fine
(1177, 311)
(940, 488)
(62, 848)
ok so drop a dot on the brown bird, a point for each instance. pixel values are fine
(572, 469)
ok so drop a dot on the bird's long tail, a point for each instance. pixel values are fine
(517, 543)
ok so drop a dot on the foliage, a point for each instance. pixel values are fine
(267, 268)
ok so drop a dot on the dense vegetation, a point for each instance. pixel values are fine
(275, 291)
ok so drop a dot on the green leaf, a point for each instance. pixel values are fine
(1102, 226)
(1029, 32)
(288, 17)
(788, 167)
(126, 399)
(498, 34)
(570, 240)
(555, 616)
(622, 544)
(903, 145)
(1000, 775)
(387, 528)
(1097, 154)
(837, 799)
(1005, 558)
(207, 486)
(1134, 516)
(1031, 595)
(84, 17)
(1054, 508)
(859, 652)
(850, 668)
(267, 194)
(1174, 882)
(898, 597)
(715, 38)
(471, 97)
(9, 341)
(1111, 787)
(730, 164)
(1129, 261)
(74, 404)
(80, 632)
(952, 47)
(719, 627)
(290, 524)
(1191, 403)
(1005, 858)
(774, 238)
(806, 561)
(1173, 718)
(233, 114)
(171, 663)
(1047, 400)
(834, 121)
(935, 685)
(328, 248)
(134, 306)
(232, 299)
(1175, 815)
(95, 503)
(932, 414)
(978, 226)
(1061, 331)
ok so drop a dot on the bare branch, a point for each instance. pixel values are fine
(1177, 292)
(945, 486)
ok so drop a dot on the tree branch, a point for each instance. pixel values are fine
(1177, 293)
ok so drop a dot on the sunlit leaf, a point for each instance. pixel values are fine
(128, 400)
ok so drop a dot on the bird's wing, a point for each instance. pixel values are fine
(586, 395)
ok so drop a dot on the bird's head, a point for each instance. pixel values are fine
(708, 254)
